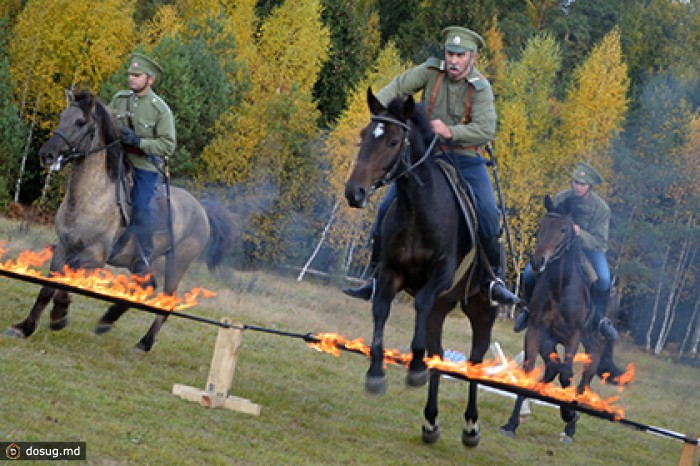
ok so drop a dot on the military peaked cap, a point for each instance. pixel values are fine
(459, 39)
(584, 173)
(142, 64)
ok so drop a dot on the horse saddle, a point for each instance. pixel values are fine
(588, 270)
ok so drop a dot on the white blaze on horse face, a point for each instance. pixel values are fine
(378, 131)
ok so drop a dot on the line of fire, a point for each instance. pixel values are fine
(502, 374)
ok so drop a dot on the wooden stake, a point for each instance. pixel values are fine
(223, 366)
(690, 451)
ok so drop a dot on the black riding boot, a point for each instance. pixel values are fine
(498, 292)
(607, 365)
(600, 309)
(521, 321)
(366, 291)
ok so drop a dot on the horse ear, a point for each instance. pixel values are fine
(70, 96)
(409, 106)
(548, 204)
(375, 106)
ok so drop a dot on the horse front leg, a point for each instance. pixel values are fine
(375, 380)
(568, 415)
(482, 325)
(26, 327)
(430, 431)
(533, 339)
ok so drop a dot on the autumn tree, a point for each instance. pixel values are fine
(85, 43)
(267, 142)
(523, 149)
(594, 110)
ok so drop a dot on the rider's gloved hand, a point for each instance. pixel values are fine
(130, 138)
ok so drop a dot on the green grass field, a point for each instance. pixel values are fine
(74, 386)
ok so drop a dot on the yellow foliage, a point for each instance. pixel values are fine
(522, 148)
(595, 108)
(85, 43)
(288, 56)
(166, 22)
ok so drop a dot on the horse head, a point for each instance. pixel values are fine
(555, 234)
(384, 142)
(74, 134)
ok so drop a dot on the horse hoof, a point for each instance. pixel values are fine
(376, 385)
(13, 332)
(102, 328)
(59, 324)
(430, 435)
(507, 432)
(417, 378)
(140, 347)
(471, 439)
(566, 439)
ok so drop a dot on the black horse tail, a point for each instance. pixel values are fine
(222, 237)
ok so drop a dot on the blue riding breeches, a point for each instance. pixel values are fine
(473, 170)
(144, 187)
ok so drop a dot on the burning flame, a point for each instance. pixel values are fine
(100, 281)
(503, 371)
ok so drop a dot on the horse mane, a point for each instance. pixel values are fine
(88, 102)
(419, 118)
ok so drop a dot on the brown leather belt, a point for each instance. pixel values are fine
(447, 148)
(133, 150)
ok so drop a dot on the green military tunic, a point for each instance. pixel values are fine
(152, 121)
(592, 214)
(450, 103)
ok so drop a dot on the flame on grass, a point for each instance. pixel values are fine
(100, 281)
(503, 371)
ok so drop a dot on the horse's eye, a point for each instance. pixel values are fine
(80, 122)
(393, 143)
(563, 229)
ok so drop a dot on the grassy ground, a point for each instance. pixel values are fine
(75, 386)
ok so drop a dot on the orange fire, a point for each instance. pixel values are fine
(100, 281)
(503, 371)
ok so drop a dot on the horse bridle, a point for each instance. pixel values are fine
(73, 152)
(403, 159)
(564, 245)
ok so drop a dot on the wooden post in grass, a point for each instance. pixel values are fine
(223, 365)
(690, 451)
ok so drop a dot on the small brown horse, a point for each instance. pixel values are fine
(89, 222)
(424, 240)
(558, 312)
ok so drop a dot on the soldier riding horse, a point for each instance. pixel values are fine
(430, 249)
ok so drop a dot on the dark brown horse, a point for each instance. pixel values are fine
(89, 222)
(558, 312)
(424, 240)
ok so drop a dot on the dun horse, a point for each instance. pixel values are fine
(558, 312)
(425, 238)
(89, 222)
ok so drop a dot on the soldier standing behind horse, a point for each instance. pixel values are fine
(463, 116)
(148, 133)
(591, 215)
